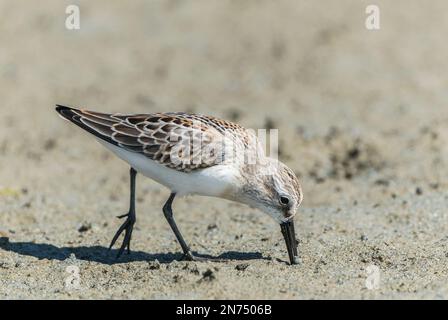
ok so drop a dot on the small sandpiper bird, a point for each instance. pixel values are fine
(199, 155)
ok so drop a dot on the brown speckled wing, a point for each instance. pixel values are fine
(180, 141)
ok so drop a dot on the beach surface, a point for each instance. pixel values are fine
(362, 118)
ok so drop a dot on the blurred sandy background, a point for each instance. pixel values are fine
(363, 121)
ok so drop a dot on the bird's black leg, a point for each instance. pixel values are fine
(168, 212)
(128, 225)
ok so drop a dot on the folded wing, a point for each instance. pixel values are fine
(180, 141)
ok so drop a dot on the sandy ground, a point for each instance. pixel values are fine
(363, 121)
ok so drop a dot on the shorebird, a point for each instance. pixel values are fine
(199, 155)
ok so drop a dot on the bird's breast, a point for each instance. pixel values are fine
(216, 181)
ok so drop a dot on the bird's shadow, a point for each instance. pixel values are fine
(103, 255)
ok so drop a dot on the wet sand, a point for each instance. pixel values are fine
(363, 121)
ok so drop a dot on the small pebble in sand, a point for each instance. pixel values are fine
(242, 266)
(208, 275)
(84, 227)
(418, 191)
(212, 226)
(4, 265)
(154, 265)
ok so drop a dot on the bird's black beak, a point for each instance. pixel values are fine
(290, 239)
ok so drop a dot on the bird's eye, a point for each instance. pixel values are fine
(284, 201)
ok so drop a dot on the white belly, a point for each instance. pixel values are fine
(216, 181)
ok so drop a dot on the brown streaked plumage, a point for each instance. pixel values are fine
(154, 135)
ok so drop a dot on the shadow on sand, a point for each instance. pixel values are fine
(105, 256)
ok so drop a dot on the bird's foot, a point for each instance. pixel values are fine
(127, 227)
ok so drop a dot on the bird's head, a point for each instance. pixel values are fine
(274, 189)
